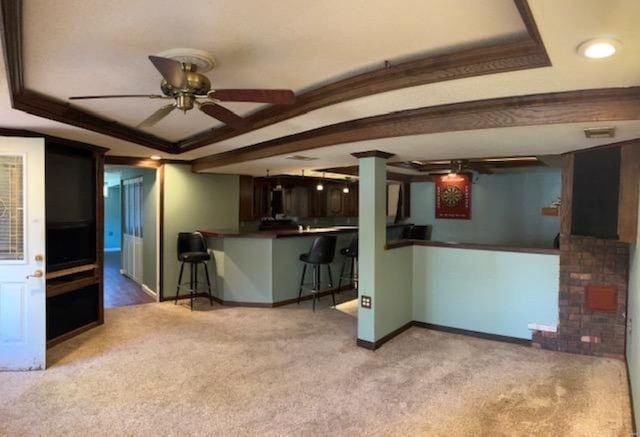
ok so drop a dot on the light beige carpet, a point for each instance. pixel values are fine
(159, 369)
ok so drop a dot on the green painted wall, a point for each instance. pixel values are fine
(385, 276)
(486, 291)
(505, 210)
(150, 217)
(112, 219)
(191, 202)
(633, 317)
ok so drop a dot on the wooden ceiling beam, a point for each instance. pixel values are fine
(608, 104)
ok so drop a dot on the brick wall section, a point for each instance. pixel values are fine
(586, 261)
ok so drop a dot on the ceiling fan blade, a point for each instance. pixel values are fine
(281, 97)
(157, 116)
(224, 115)
(171, 70)
(119, 96)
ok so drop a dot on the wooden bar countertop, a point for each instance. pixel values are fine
(289, 233)
(493, 247)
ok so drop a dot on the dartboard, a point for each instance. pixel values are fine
(451, 196)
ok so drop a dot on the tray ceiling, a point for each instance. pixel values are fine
(97, 47)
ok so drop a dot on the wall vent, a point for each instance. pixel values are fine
(600, 132)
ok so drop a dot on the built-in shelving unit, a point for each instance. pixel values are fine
(74, 290)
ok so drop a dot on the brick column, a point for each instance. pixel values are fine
(587, 262)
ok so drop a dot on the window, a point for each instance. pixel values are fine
(12, 224)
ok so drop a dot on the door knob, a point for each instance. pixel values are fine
(37, 274)
(39, 258)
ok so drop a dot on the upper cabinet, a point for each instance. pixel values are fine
(296, 197)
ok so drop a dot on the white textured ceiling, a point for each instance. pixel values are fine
(74, 47)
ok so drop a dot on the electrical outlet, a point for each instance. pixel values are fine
(365, 301)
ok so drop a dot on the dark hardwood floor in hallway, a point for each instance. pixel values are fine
(118, 289)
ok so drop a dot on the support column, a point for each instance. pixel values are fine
(372, 235)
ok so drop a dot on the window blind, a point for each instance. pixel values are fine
(12, 208)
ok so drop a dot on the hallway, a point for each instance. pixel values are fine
(118, 289)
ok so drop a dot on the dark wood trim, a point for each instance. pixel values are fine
(476, 334)
(70, 334)
(634, 419)
(8, 132)
(287, 233)
(376, 344)
(520, 54)
(628, 193)
(132, 161)
(99, 162)
(373, 154)
(566, 194)
(607, 104)
(529, 22)
(490, 247)
(160, 178)
(353, 170)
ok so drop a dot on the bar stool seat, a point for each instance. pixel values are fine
(320, 254)
(194, 257)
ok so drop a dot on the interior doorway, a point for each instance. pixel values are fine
(130, 236)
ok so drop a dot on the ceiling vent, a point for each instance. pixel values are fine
(600, 132)
(301, 158)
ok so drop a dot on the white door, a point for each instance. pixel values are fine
(22, 245)
(132, 238)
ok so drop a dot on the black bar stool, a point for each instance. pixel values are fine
(321, 253)
(192, 250)
(350, 253)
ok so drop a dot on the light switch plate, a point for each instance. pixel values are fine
(365, 301)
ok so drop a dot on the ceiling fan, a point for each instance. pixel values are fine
(183, 83)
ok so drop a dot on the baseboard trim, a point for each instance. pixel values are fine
(483, 335)
(376, 344)
(634, 423)
(149, 291)
(233, 303)
(477, 334)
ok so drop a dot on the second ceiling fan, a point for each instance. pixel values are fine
(183, 83)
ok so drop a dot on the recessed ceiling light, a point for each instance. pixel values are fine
(156, 157)
(599, 48)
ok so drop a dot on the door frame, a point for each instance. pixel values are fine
(158, 165)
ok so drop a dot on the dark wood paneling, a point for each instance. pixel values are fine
(599, 105)
(373, 154)
(628, 197)
(596, 186)
(246, 198)
(566, 194)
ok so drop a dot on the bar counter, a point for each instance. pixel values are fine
(289, 233)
